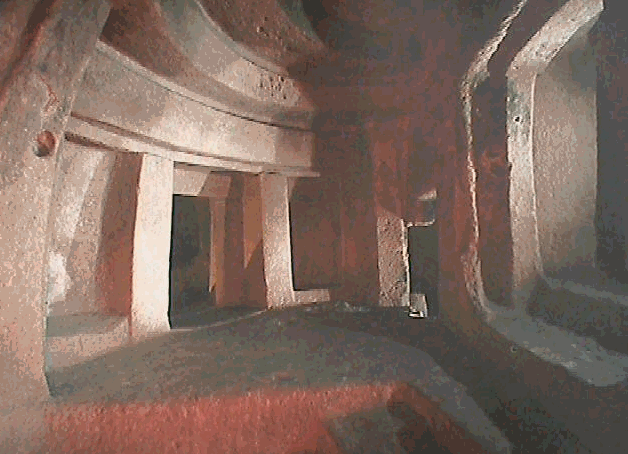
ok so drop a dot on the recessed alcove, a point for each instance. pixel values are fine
(564, 149)
(190, 256)
(423, 260)
(552, 152)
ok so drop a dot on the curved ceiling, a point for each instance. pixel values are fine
(289, 58)
(285, 35)
(277, 30)
(180, 41)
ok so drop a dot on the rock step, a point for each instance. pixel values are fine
(76, 338)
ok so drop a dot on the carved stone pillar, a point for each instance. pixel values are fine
(151, 250)
(39, 83)
(276, 240)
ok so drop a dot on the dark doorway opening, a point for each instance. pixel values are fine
(190, 255)
(423, 257)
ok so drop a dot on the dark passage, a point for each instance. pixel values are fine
(423, 255)
(189, 256)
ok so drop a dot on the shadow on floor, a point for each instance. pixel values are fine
(497, 385)
(590, 276)
(603, 319)
(210, 316)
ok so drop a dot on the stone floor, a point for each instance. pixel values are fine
(341, 348)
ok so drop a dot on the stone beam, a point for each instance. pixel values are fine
(169, 117)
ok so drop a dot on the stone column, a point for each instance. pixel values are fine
(391, 149)
(217, 260)
(392, 259)
(151, 247)
(47, 52)
(276, 240)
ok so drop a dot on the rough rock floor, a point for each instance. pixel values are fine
(346, 362)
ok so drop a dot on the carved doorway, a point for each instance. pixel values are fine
(190, 256)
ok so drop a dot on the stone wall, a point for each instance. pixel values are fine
(115, 256)
(612, 85)
(315, 233)
(46, 57)
(81, 190)
(565, 157)
(500, 136)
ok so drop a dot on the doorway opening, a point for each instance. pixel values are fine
(423, 258)
(190, 256)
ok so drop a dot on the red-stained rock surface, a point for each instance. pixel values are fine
(262, 422)
(337, 376)
(380, 84)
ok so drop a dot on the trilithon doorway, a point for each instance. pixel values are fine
(190, 255)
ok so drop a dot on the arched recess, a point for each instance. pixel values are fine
(535, 228)
(498, 104)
